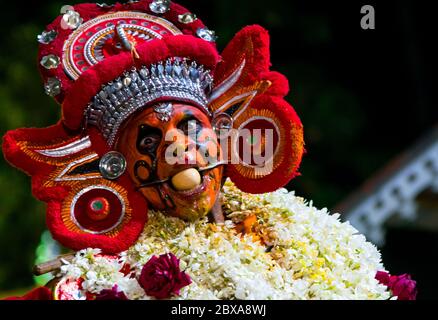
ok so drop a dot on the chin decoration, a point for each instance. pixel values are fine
(104, 64)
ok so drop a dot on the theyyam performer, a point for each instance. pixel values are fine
(164, 174)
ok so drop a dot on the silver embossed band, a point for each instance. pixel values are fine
(175, 78)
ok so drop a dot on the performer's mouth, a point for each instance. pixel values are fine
(189, 181)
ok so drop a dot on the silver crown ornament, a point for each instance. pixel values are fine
(175, 78)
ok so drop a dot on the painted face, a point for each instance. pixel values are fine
(172, 157)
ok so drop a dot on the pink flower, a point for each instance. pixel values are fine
(111, 294)
(383, 277)
(161, 276)
(401, 286)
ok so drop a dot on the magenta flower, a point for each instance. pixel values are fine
(401, 286)
(383, 277)
(111, 294)
(161, 277)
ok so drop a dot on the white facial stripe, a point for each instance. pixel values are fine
(72, 148)
(225, 85)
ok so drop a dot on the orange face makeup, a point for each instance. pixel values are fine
(171, 153)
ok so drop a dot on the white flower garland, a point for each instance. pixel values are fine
(295, 252)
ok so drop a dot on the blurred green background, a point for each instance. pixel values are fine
(363, 96)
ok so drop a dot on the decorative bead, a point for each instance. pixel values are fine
(186, 180)
(71, 19)
(187, 18)
(50, 62)
(144, 73)
(117, 85)
(159, 6)
(47, 36)
(164, 111)
(127, 82)
(52, 87)
(206, 34)
(98, 209)
(112, 165)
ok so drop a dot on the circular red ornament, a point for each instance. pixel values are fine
(98, 208)
(270, 146)
(261, 140)
(99, 38)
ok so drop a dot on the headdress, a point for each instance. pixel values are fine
(102, 63)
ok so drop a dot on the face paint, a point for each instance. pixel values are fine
(164, 185)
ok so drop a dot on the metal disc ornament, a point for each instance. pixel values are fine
(112, 165)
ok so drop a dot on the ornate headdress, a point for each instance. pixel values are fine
(102, 63)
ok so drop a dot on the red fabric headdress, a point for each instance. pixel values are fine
(90, 50)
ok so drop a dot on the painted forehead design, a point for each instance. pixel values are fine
(164, 111)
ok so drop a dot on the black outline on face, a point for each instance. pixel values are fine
(155, 142)
(149, 132)
(148, 139)
(150, 149)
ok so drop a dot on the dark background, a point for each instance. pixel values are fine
(363, 96)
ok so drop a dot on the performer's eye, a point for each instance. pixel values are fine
(150, 142)
(148, 139)
(190, 126)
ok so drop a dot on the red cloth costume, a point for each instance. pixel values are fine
(88, 47)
